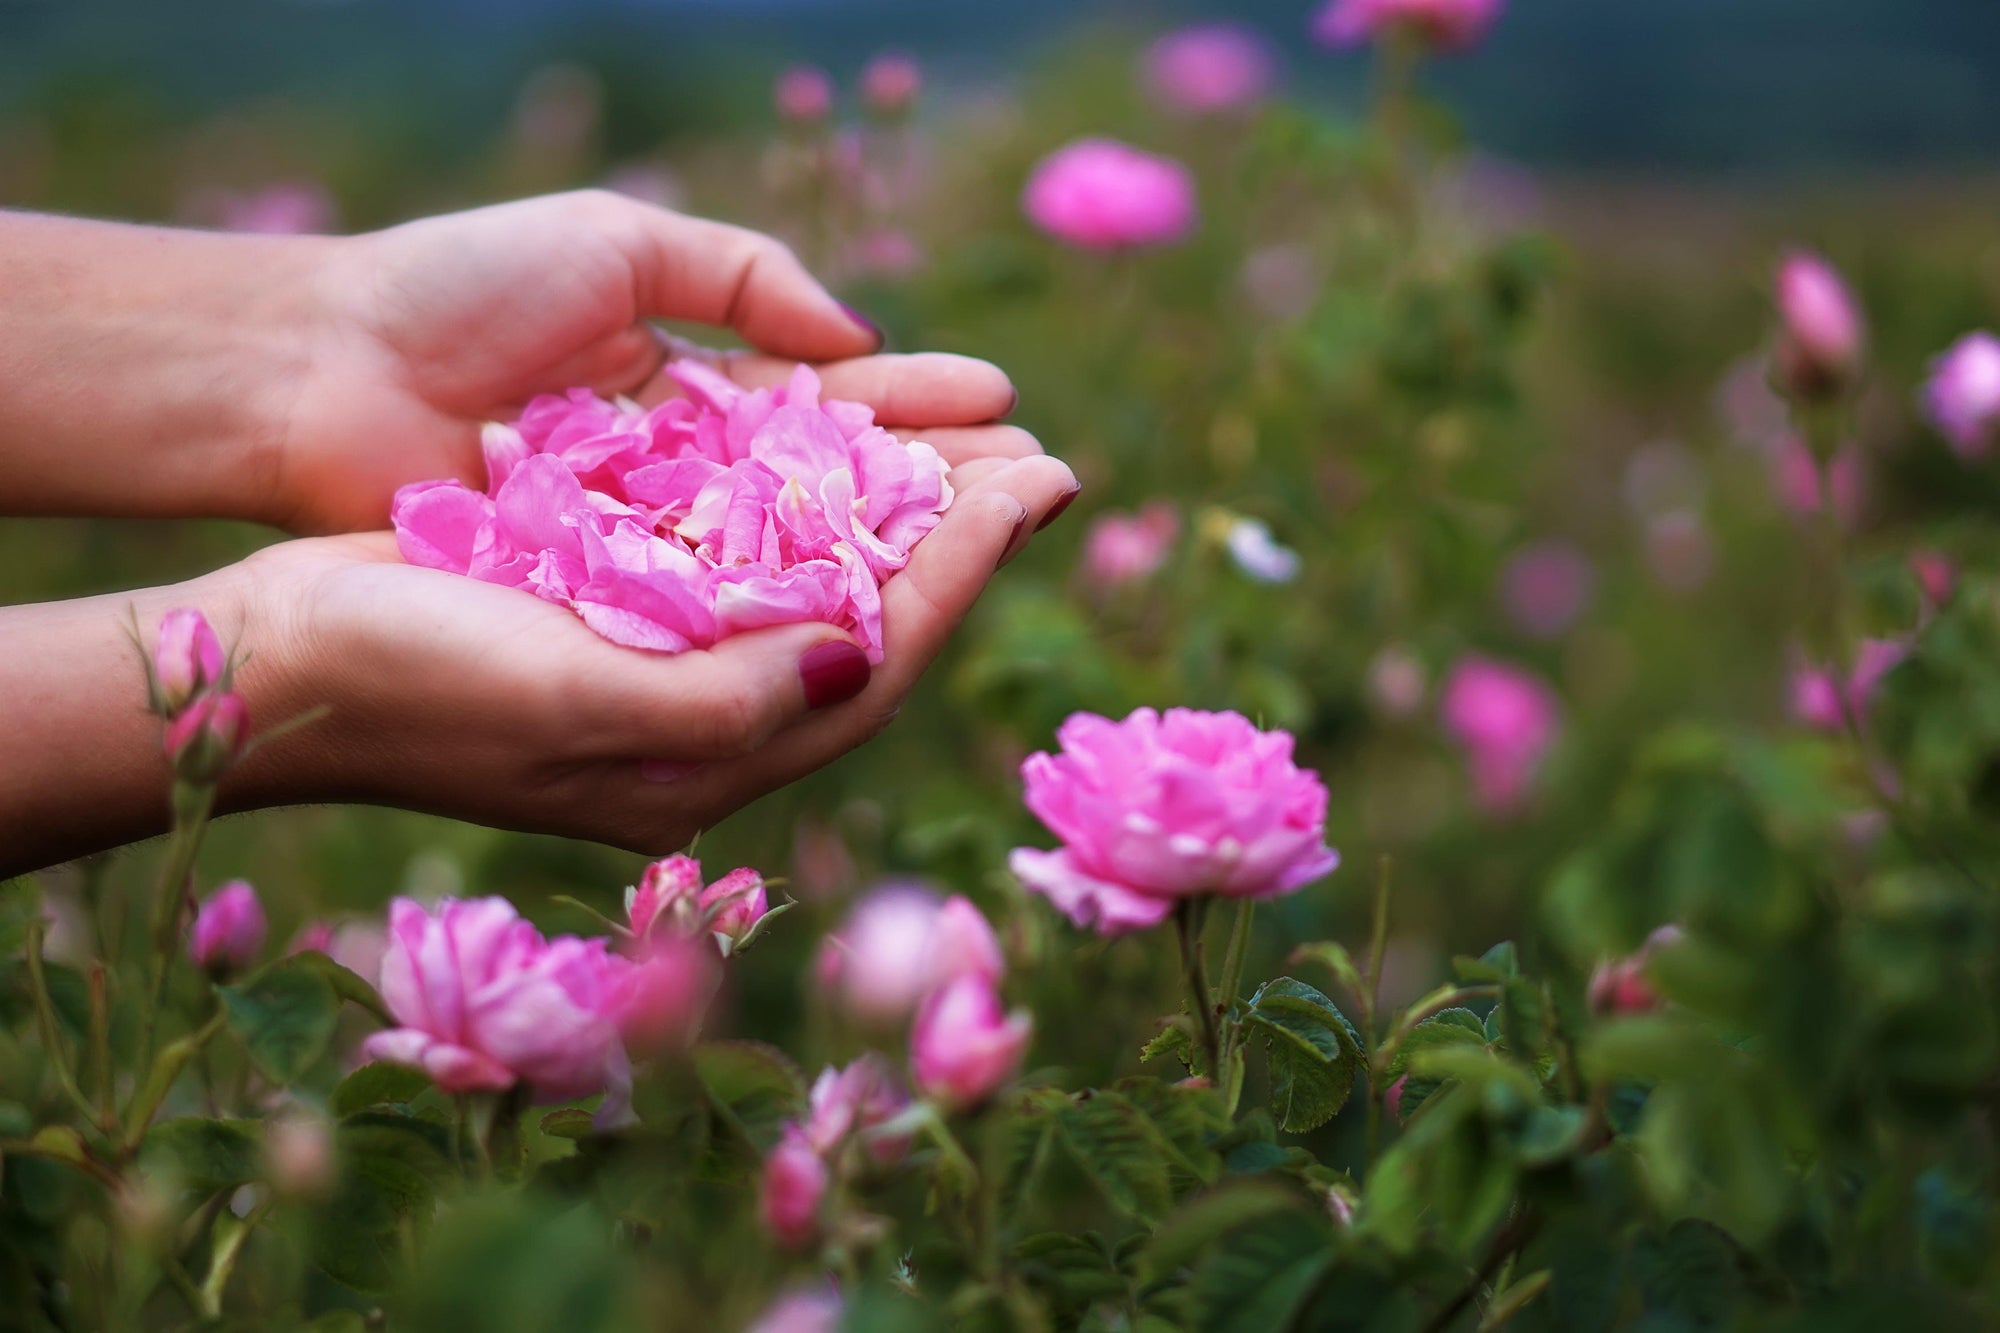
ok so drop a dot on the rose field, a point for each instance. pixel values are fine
(1477, 808)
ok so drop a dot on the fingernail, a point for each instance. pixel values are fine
(832, 673)
(1013, 546)
(874, 329)
(1055, 510)
(1013, 401)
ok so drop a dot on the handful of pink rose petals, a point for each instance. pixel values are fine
(676, 527)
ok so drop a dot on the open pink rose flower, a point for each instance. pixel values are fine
(1159, 808)
(900, 943)
(1099, 194)
(676, 527)
(1450, 25)
(484, 1002)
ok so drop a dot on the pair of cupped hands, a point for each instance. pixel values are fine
(456, 697)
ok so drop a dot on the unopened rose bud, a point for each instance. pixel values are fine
(803, 95)
(668, 895)
(964, 1046)
(890, 84)
(187, 659)
(298, 1156)
(795, 1182)
(734, 905)
(1623, 986)
(204, 740)
(228, 930)
(1936, 575)
(1392, 1100)
(1820, 336)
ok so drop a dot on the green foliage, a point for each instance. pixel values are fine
(1315, 1053)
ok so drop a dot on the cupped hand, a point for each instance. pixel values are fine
(427, 330)
(484, 703)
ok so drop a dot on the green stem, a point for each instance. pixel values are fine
(1188, 913)
(45, 1018)
(1232, 971)
(1371, 1003)
(100, 1049)
(230, 1237)
(192, 808)
(160, 1081)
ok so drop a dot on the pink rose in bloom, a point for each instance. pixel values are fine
(964, 1046)
(1547, 587)
(187, 659)
(1157, 809)
(891, 83)
(734, 904)
(803, 94)
(1801, 483)
(1099, 194)
(228, 930)
(484, 1002)
(805, 1310)
(1622, 986)
(205, 739)
(1822, 702)
(1121, 549)
(795, 1181)
(1963, 396)
(292, 208)
(1820, 334)
(1505, 720)
(854, 1100)
(900, 943)
(1449, 25)
(676, 527)
(1210, 67)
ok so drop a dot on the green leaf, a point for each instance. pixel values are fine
(210, 1154)
(1502, 962)
(759, 1084)
(1548, 1134)
(568, 1122)
(376, 1085)
(392, 1168)
(285, 1018)
(1123, 1153)
(1194, 1228)
(1175, 1039)
(1314, 1052)
(347, 984)
(1447, 1027)
(1259, 1277)
(1334, 958)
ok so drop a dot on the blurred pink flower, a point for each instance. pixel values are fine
(228, 930)
(1397, 682)
(1100, 194)
(290, 208)
(964, 1047)
(853, 1101)
(795, 1182)
(1679, 550)
(1160, 808)
(1450, 25)
(1121, 549)
(1820, 333)
(1547, 587)
(1211, 67)
(298, 1155)
(1963, 395)
(1796, 477)
(187, 659)
(1392, 1100)
(900, 943)
(660, 998)
(484, 1002)
(891, 84)
(803, 94)
(887, 253)
(802, 1310)
(1936, 575)
(676, 527)
(1747, 405)
(649, 184)
(1822, 702)
(206, 737)
(1505, 719)
(1622, 986)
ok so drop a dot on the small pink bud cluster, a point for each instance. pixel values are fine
(1822, 701)
(228, 930)
(1623, 986)
(671, 900)
(849, 1130)
(189, 688)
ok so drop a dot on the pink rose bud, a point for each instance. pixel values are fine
(1963, 396)
(484, 1002)
(795, 1181)
(1210, 68)
(228, 930)
(734, 904)
(1547, 587)
(1122, 549)
(1392, 1100)
(964, 1047)
(803, 95)
(312, 937)
(1823, 702)
(1446, 25)
(1099, 194)
(1164, 807)
(668, 896)
(187, 659)
(1505, 720)
(1622, 986)
(1820, 334)
(805, 1310)
(298, 1155)
(899, 944)
(659, 1000)
(853, 1101)
(891, 84)
(205, 739)
(1936, 575)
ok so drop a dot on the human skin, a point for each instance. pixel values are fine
(298, 381)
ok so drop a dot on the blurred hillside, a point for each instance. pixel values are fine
(1711, 86)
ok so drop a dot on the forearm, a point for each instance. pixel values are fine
(146, 369)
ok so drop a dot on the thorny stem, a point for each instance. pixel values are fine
(1371, 1001)
(1232, 973)
(1187, 922)
(45, 1018)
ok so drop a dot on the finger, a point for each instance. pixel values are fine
(959, 445)
(914, 389)
(713, 273)
(968, 478)
(699, 706)
(611, 366)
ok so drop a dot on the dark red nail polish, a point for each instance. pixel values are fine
(832, 673)
(1008, 552)
(1055, 510)
(874, 329)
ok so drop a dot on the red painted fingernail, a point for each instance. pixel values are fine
(1008, 552)
(833, 672)
(874, 329)
(1055, 510)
